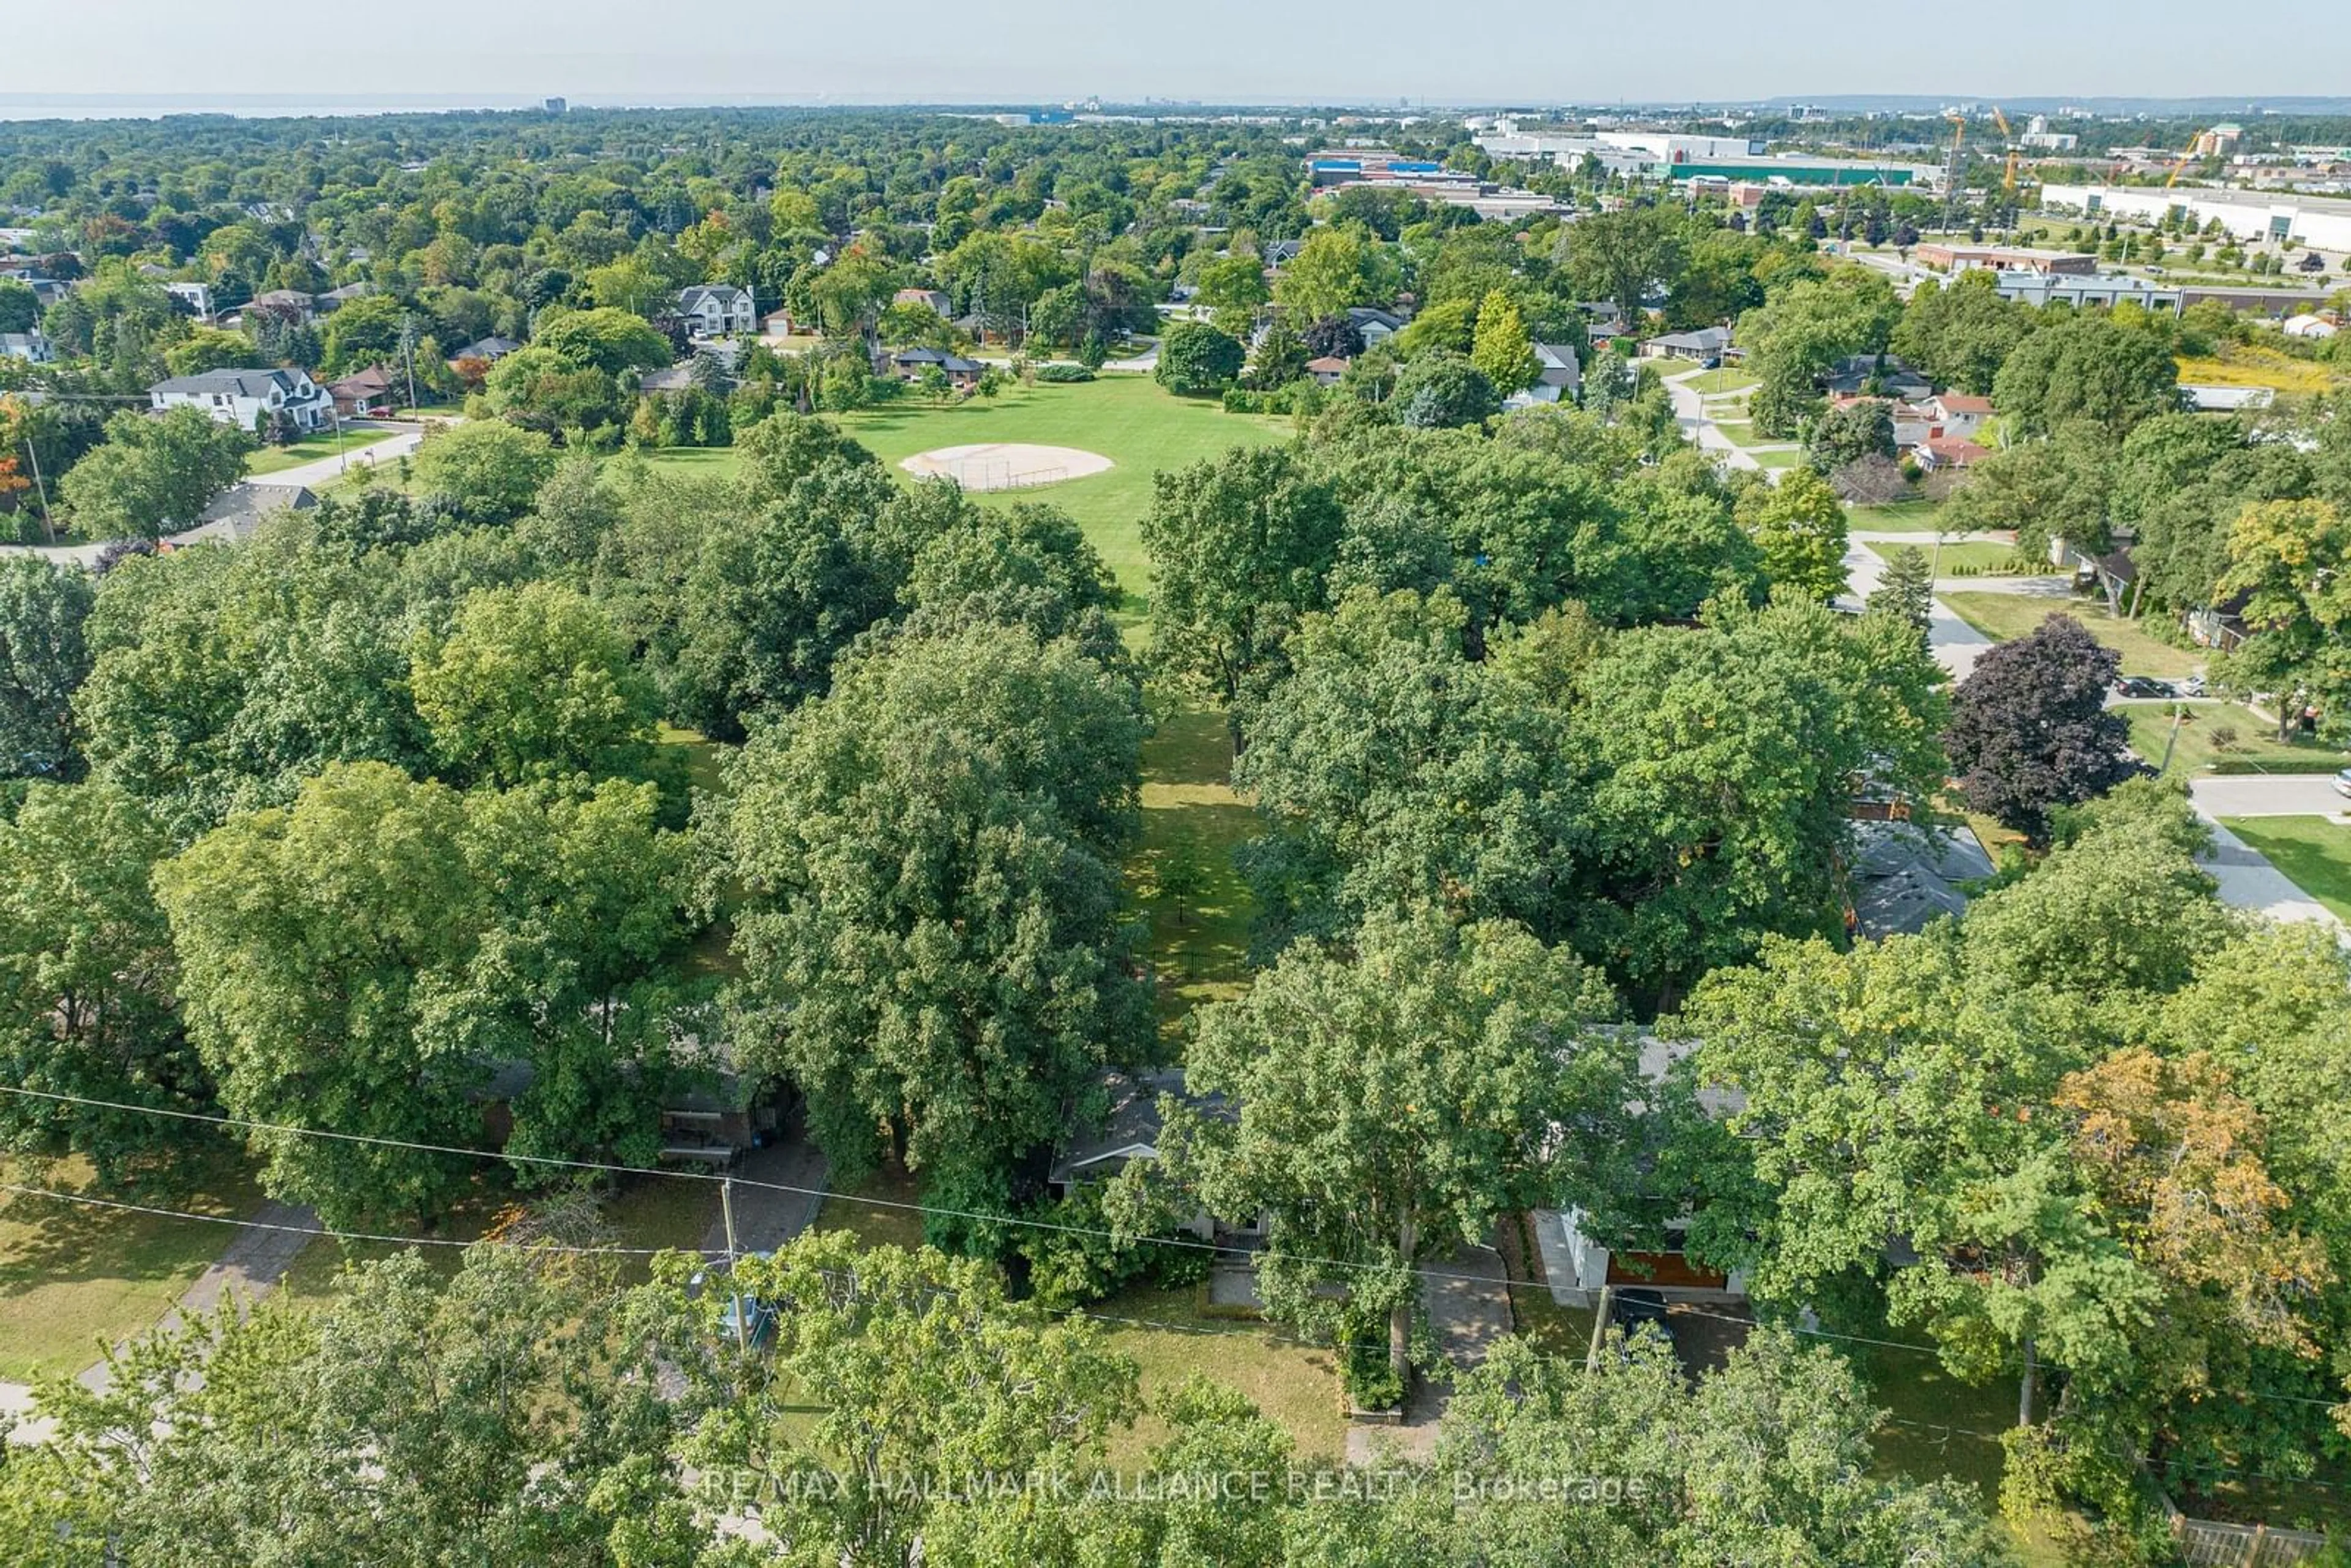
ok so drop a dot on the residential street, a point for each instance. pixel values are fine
(2269, 795)
(1689, 412)
(1956, 643)
(396, 444)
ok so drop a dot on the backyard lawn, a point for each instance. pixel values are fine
(2002, 616)
(73, 1279)
(2315, 853)
(1785, 457)
(2255, 740)
(1192, 824)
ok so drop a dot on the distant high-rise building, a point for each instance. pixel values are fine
(557, 105)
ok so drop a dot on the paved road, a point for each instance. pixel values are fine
(2248, 881)
(2269, 795)
(1689, 412)
(1957, 646)
(395, 445)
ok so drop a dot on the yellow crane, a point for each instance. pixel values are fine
(2009, 182)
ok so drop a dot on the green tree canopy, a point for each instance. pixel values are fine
(154, 475)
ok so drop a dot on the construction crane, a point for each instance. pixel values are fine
(1951, 175)
(2008, 180)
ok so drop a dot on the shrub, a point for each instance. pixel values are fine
(1064, 374)
(1365, 1373)
(2222, 736)
(1080, 1263)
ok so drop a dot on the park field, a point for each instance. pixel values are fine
(1131, 420)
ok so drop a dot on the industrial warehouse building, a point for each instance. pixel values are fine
(2323, 223)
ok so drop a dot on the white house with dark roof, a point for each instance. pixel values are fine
(249, 399)
(31, 346)
(717, 310)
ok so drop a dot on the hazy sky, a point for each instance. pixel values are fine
(1029, 50)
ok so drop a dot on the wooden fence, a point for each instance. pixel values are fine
(2207, 1544)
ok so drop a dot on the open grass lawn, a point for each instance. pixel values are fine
(1297, 1386)
(1930, 1408)
(2002, 616)
(2314, 852)
(76, 1280)
(1920, 517)
(1192, 821)
(2259, 365)
(871, 1222)
(317, 1274)
(1723, 379)
(1741, 432)
(2255, 739)
(1785, 457)
(1131, 420)
(309, 449)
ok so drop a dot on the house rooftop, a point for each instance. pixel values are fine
(1905, 877)
(234, 383)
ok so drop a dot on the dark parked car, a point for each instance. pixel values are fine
(2144, 687)
(1634, 1306)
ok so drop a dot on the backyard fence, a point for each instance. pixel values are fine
(2207, 1544)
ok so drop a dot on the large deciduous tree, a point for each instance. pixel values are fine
(154, 475)
(533, 685)
(1195, 358)
(1502, 351)
(1241, 544)
(1391, 1101)
(43, 658)
(932, 941)
(363, 962)
(1623, 255)
(2030, 729)
(86, 981)
(1799, 526)
(490, 471)
(2088, 366)
(2291, 561)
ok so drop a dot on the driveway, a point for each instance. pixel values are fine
(1469, 1309)
(248, 1270)
(765, 1219)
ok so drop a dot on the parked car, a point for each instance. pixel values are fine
(2343, 782)
(1632, 1308)
(2144, 687)
(756, 1318)
(2193, 686)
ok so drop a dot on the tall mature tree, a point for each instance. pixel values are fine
(2089, 367)
(1502, 351)
(2292, 561)
(43, 658)
(1959, 334)
(2030, 729)
(363, 961)
(86, 981)
(1623, 255)
(1718, 769)
(1336, 267)
(2052, 489)
(932, 943)
(1241, 544)
(1027, 566)
(155, 474)
(490, 471)
(1799, 526)
(221, 678)
(1195, 358)
(533, 685)
(1395, 1100)
(1394, 769)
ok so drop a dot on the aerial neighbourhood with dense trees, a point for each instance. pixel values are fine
(412, 855)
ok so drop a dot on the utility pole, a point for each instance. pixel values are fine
(408, 351)
(32, 455)
(2178, 715)
(726, 1208)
